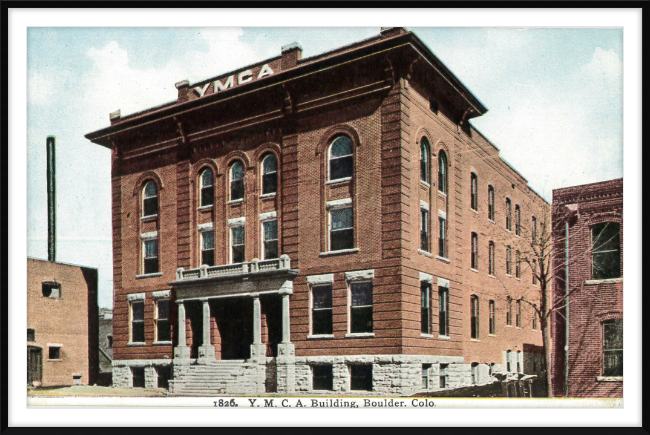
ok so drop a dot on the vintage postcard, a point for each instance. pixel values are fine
(323, 217)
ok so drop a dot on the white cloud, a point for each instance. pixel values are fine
(43, 86)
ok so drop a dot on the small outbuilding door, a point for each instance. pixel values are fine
(34, 365)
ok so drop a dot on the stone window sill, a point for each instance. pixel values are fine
(475, 340)
(148, 275)
(320, 337)
(268, 195)
(136, 344)
(603, 281)
(359, 334)
(206, 207)
(428, 254)
(609, 378)
(441, 193)
(426, 335)
(446, 260)
(444, 337)
(492, 276)
(491, 221)
(150, 217)
(475, 211)
(473, 270)
(339, 252)
(162, 343)
(339, 180)
(424, 183)
(236, 201)
(59, 359)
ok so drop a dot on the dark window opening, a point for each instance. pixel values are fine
(51, 289)
(341, 159)
(443, 375)
(270, 174)
(138, 377)
(518, 314)
(151, 256)
(361, 377)
(491, 259)
(31, 334)
(492, 318)
(517, 264)
(443, 310)
(442, 237)
(474, 319)
(322, 310)
(474, 251)
(509, 312)
(442, 172)
(342, 232)
(207, 248)
(613, 347)
(207, 187)
(163, 331)
(270, 239)
(491, 203)
(424, 230)
(517, 220)
(238, 244)
(433, 105)
(424, 160)
(54, 352)
(237, 181)
(474, 191)
(361, 307)
(137, 322)
(150, 199)
(425, 311)
(474, 367)
(109, 341)
(323, 378)
(164, 375)
(508, 215)
(606, 250)
(508, 260)
(425, 376)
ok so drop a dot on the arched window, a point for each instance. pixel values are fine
(150, 199)
(508, 260)
(491, 203)
(508, 215)
(424, 160)
(491, 259)
(517, 220)
(442, 172)
(207, 187)
(237, 181)
(474, 258)
(474, 191)
(340, 158)
(269, 174)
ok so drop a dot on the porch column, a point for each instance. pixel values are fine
(286, 360)
(286, 321)
(181, 351)
(206, 350)
(258, 349)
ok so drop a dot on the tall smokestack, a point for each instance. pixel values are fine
(51, 200)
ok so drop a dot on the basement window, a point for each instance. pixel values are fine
(425, 376)
(138, 377)
(361, 377)
(51, 289)
(323, 377)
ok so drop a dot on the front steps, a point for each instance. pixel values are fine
(217, 378)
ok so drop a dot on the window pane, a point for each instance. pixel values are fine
(270, 250)
(323, 379)
(442, 248)
(342, 146)
(361, 319)
(150, 265)
(341, 218)
(340, 167)
(613, 363)
(207, 196)
(164, 334)
(322, 296)
(424, 230)
(208, 240)
(613, 335)
(207, 257)
(442, 172)
(361, 377)
(150, 206)
(442, 311)
(54, 353)
(163, 309)
(322, 322)
(237, 171)
(238, 235)
(361, 293)
(342, 239)
(150, 190)
(238, 254)
(424, 160)
(137, 310)
(270, 164)
(151, 248)
(138, 332)
(606, 256)
(207, 178)
(271, 230)
(236, 190)
(269, 183)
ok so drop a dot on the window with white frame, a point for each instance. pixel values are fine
(517, 220)
(443, 373)
(237, 244)
(341, 230)
(534, 229)
(613, 347)
(424, 160)
(163, 330)
(474, 262)
(508, 260)
(491, 203)
(425, 307)
(150, 199)
(269, 174)
(341, 160)
(207, 187)
(442, 171)
(474, 191)
(426, 369)
(517, 264)
(237, 181)
(443, 311)
(509, 311)
(150, 255)
(518, 314)
(270, 231)
(606, 250)
(492, 318)
(474, 326)
(442, 236)
(508, 214)
(424, 229)
(207, 247)
(361, 307)
(474, 373)
(137, 322)
(321, 314)
(491, 258)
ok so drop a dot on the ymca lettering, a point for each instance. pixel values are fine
(242, 77)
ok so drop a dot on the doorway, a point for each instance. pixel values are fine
(34, 365)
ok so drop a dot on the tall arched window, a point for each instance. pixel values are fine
(442, 172)
(237, 181)
(424, 160)
(517, 220)
(340, 158)
(269, 174)
(491, 203)
(207, 187)
(474, 191)
(474, 259)
(491, 259)
(508, 215)
(150, 199)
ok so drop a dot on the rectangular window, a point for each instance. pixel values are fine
(509, 312)
(474, 373)
(137, 322)
(109, 341)
(238, 241)
(51, 289)
(138, 377)
(474, 317)
(508, 215)
(323, 378)
(442, 237)
(425, 312)
(341, 230)
(534, 229)
(613, 347)
(474, 251)
(321, 314)
(443, 375)
(54, 352)
(517, 220)
(150, 206)
(491, 259)
(150, 256)
(361, 307)
(508, 260)
(474, 192)
(361, 377)
(207, 248)
(492, 318)
(443, 311)
(491, 203)
(424, 230)
(270, 239)
(425, 376)
(606, 250)
(164, 374)
(163, 332)
(31, 334)
(518, 264)
(518, 318)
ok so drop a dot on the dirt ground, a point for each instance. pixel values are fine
(87, 390)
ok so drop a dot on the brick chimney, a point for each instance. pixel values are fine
(115, 116)
(291, 54)
(183, 91)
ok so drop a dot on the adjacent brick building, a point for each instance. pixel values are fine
(105, 346)
(62, 346)
(322, 223)
(593, 216)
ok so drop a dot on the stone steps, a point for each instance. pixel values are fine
(204, 380)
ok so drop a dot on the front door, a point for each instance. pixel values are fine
(34, 365)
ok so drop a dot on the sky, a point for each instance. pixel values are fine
(555, 100)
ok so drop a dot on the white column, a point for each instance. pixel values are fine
(286, 321)
(257, 320)
(206, 322)
(181, 324)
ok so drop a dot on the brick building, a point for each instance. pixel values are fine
(593, 216)
(331, 223)
(61, 324)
